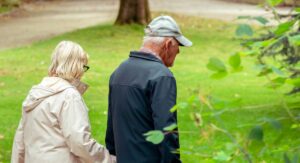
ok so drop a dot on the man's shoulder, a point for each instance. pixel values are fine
(143, 65)
(162, 70)
(140, 69)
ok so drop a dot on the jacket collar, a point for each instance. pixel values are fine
(144, 55)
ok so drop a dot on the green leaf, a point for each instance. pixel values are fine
(235, 61)
(192, 99)
(170, 127)
(277, 82)
(183, 105)
(173, 109)
(219, 75)
(216, 64)
(274, 2)
(244, 29)
(294, 81)
(259, 67)
(264, 72)
(273, 122)
(248, 53)
(278, 71)
(284, 27)
(276, 124)
(295, 39)
(248, 43)
(286, 158)
(222, 156)
(256, 133)
(239, 69)
(260, 44)
(295, 126)
(297, 9)
(154, 136)
(261, 19)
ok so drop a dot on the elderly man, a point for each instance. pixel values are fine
(142, 90)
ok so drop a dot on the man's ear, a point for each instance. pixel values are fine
(169, 43)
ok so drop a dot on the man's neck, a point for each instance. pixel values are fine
(147, 50)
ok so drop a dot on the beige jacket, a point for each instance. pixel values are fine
(55, 127)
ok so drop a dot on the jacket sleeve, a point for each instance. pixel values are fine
(18, 151)
(163, 99)
(109, 139)
(75, 126)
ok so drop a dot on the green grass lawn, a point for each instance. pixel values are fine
(108, 46)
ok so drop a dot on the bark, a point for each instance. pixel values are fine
(133, 11)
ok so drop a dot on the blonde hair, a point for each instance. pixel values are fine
(67, 61)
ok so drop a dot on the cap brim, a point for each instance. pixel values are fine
(184, 41)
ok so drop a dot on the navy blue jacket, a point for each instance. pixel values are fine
(142, 90)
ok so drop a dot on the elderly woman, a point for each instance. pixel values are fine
(55, 126)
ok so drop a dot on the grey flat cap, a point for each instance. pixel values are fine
(166, 26)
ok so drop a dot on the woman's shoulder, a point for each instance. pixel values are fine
(72, 96)
(71, 93)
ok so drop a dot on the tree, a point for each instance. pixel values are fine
(276, 48)
(133, 11)
(280, 43)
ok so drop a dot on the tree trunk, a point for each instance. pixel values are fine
(133, 11)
